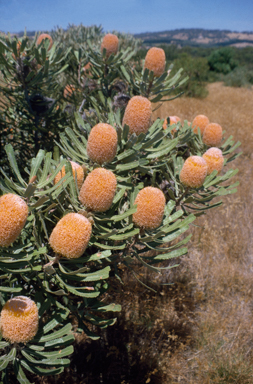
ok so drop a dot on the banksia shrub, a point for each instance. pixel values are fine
(138, 115)
(200, 121)
(98, 190)
(212, 135)
(19, 320)
(155, 61)
(45, 36)
(194, 172)
(13, 215)
(150, 208)
(77, 171)
(214, 159)
(71, 235)
(111, 43)
(102, 143)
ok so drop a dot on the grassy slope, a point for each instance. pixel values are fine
(200, 329)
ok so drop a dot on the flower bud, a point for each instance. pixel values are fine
(13, 215)
(45, 36)
(77, 172)
(194, 172)
(155, 61)
(71, 235)
(19, 320)
(214, 159)
(212, 135)
(150, 208)
(138, 115)
(111, 43)
(200, 122)
(102, 143)
(98, 190)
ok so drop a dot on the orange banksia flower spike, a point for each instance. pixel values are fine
(138, 115)
(111, 43)
(45, 36)
(194, 172)
(98, 190)
(102, 143)
(150, 208)
(173, 120)
(19, 320)
(77, 171)
(71, 236)
(212, 135)
(13, 215)
(214, 159)
(155, 61)
(68, 90)
(200, 122)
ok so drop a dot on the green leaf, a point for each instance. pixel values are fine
(41, 371)
(13, 163)
(171, 255)
(20, 373)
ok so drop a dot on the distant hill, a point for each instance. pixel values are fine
(191, 36)
(198, 37)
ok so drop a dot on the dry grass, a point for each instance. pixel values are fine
(199, 330)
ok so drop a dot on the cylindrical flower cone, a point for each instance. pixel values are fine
(13, 215)
(214, 159)
(155, 61)
(138, 115)
(102, 143)
(150, 208)
(111, 43)
(200, 122)
(77, 171)
(19, 320)
(71, 235)
(212, 135)
(98, 190)
(45, 36)
(194, 172)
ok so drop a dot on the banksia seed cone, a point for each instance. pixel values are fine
(71, 236)
(155, 61)
(212, 135)
(200, 122)
(138, 115)
(102, 143)
(19, 320)
(194, 172)
(111, 43)
(77, 171)
(98, 190)
(45, 36)
(214, 159)
(13, 215)
(150, 208)
(68, 90)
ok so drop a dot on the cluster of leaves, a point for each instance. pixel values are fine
(70, 293)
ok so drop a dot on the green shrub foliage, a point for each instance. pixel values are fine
(42, 130)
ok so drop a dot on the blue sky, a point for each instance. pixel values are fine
(131, 16)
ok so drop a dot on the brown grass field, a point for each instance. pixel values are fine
(199, 328)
